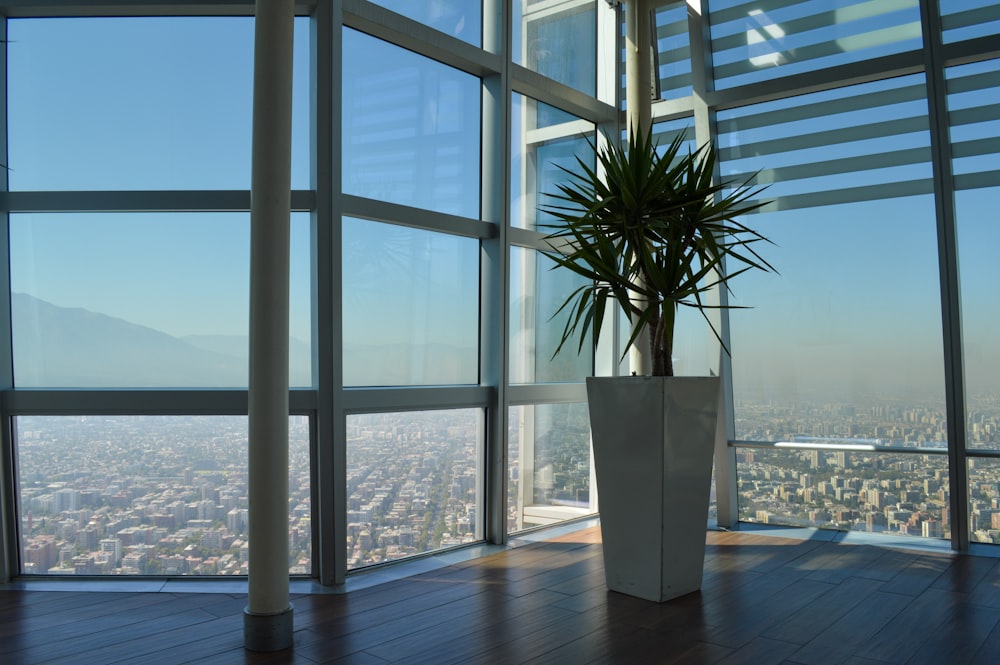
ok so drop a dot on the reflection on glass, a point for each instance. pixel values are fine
(147, 495)
(413, 483)
(984, 501)
(550, 470)
(140, 103)
(458, 18)
(673, 51)
(757, 40)
(411, 306)
(411, 128)
(143, 300)
(536, 292)
(847, 491)
(558, 40)
(546, 140)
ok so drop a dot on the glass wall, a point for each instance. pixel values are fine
(423, 323)
(843, 352)
(413, 483)
(129, 152)
(411, 306)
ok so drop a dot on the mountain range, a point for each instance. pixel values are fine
(71, 347)
(63, 347)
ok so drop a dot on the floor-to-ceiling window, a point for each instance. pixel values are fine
(853, 369)
(420, 345)
(428, 410)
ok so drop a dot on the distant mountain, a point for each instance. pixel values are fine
(238, 346)
(60, 347)
(398, 365)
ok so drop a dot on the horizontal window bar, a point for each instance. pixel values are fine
(414, 36)
(71, 8)
(144, 201)
(847, 446)
(142, 402)
(394, 213)
(376, 400)
(546, 393)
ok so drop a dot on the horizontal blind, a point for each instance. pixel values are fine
(763, 39)
(974, 119)
(859, 143)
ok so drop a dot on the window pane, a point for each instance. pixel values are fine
(546, 141)
(413, 483)
(984, 501)
(550, 465)
(411, 306)
(558, 40)
(758, 40)
(140, 103)
(845, 341)
(536, 292)
(411, 128)
(973, 111)
(147, 495)
(979, 278)
(459, 18)
(143, 300)
(849, 491)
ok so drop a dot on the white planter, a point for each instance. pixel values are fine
(653, 446)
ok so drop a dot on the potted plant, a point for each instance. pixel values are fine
(651, 231)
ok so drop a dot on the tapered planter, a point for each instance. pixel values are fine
(653, 446)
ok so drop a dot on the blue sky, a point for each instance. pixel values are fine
(133, 104)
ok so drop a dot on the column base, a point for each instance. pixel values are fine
(267, 632)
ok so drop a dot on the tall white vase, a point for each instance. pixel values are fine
(653, 447)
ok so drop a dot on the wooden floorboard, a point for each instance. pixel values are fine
(764, 601)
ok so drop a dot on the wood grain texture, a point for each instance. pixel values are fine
(764, 600)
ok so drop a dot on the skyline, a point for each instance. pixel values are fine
(163, 484)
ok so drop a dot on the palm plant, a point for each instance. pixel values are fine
(650, 231)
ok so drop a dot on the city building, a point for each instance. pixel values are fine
(427, 410)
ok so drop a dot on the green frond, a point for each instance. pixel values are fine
(648, 224)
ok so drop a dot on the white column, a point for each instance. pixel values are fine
(639, 107)
(638, 65)
(267, 622)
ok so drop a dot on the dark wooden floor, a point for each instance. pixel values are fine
(764, 600)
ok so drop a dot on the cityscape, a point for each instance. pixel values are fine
(147, 495)
(167, 495)
(412, 483)
(846, 487)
